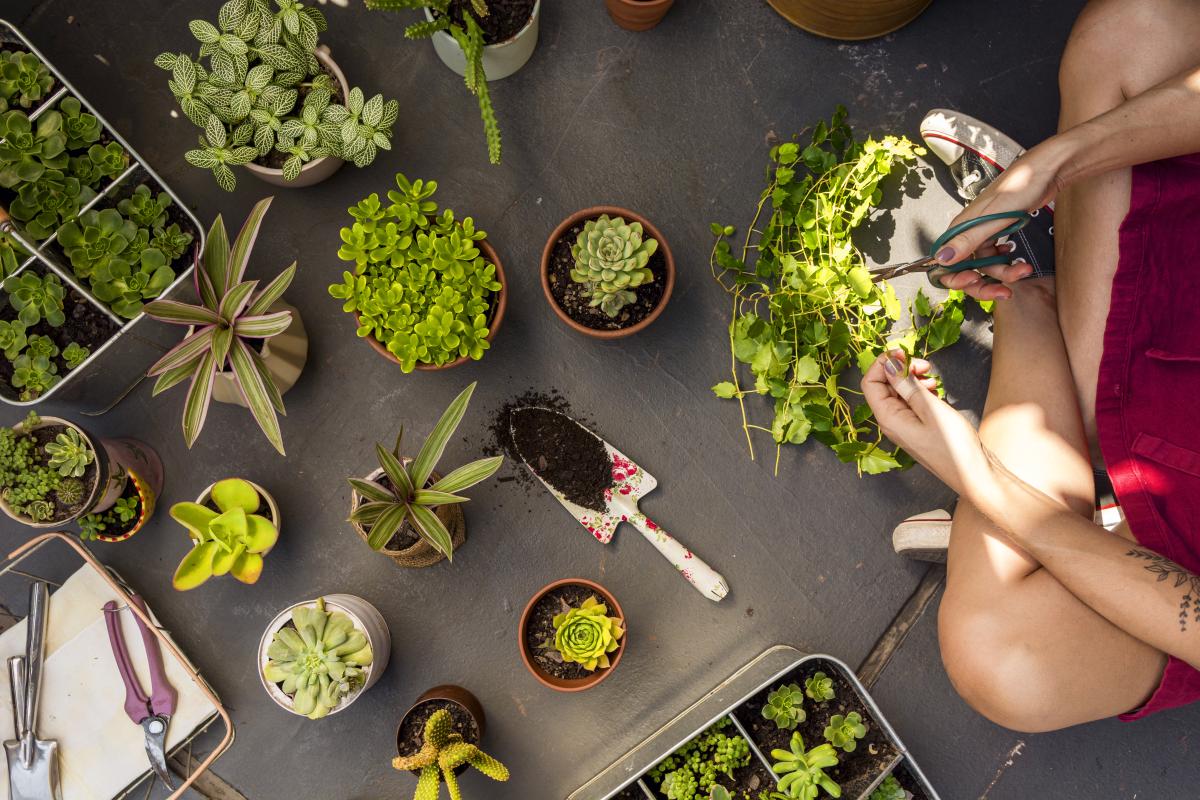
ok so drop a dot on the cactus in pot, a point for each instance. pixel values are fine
(443, 752)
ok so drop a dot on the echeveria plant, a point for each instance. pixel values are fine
(610, 260)
(231, 318)
(70, 454)
(231, 540)
(46, 203)
(442, 753)
(318, 660)
(36, 297)
(785, 707)
(803, 771)
(819, 687)
(586, 635)
(75, 354)
(24, 79)
(844, 731)
(27, 149)
(32, 478)
(409, 501)
(420, 286)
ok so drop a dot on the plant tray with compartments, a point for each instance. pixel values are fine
(90, 188)
(878, 766)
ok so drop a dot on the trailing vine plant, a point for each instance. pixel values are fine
(804, 309)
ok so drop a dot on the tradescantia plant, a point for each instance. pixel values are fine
(586, 635)
(803, 771)
(24, 79)
(318, 660)
(231, 315)
(420, 286)
(610, 260)
(409, 501)
(844, 731)
(231, 540)
(254, 66)
(442, 753)
(785, 707)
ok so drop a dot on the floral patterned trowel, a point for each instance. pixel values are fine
(629, 483)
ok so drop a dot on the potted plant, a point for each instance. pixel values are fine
(718, 757)
(428, 292)
(638, 15)
(409, 512)
(438, 738)
(243, 344)
(128, 514)
(850, 20)
(572, 634)
(482, 40)
(231, 532)
(607, 272)
(267, 96)
(317, 657)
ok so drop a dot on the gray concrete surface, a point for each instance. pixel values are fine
(674, 123)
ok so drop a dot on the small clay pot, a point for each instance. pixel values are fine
(421, 554)
(578, 684)
(264, 495)
(629, 216)
(638, 15)
(499, 304)
(848, 20)
(451, 694)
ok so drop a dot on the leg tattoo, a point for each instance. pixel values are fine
(1166, 569)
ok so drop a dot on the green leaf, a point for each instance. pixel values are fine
(725, 389)
(180, 313)
(251, 383)
(195, 407)
(194, 517)
(806, 370)
(234, 493)
(430, 497)
(877, 461)
(386, 526)
(239, 256)
(432, 531)
(468, 475)
(274, 290)
(370, 490)
(435, 445)
(397, 474)
(196, 567)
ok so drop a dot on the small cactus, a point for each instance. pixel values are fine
(442, 752)
(70, 491)
(610, 258)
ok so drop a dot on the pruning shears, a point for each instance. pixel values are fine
(935, 271)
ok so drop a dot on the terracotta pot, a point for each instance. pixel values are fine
(107, 475)
(500, 59)
(421, 554)
(452, 694)
(500, 304)
(638, 15)
(578, 684)
(629, 216)
(285, 356)
(317, 169)
(366, 618)
(849, 19)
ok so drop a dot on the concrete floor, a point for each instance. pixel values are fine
(674, 123)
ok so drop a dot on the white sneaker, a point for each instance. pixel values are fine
(924, 537)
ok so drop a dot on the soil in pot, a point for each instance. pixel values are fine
(62, 511)
(570, 295)
(411, 735)
(504, 20)
(855, 771)
(564, 454)
(540, 629)
(276, 159)
(631, 792)
(114, 527)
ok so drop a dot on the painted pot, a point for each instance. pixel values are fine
(285, 356)
(589, 681)
(365, 617)
(451, 694)
(107, 478)
(638, 15)
(500, 303)
(318, 169)
(629, 216)
(500, 59)
(849, 19)
(147, 501)
(421, 554)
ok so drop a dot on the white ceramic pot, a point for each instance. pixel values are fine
(318, 169)
(285, 356)
(500, 59)
(366, 618)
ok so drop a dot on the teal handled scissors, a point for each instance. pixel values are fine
(935, 271)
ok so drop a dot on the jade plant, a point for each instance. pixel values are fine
(36, 297)
(467, 33)
(694, 769)
(803, 771)
(819, 687)
(124, 511)
(890, 789)
(231, 320)
(40, 483)
(586, 635)
(70, 454)
(242, 91)
(230, 540)
(785, 707)
(420, 286)
(28, 148)
(610, 260)
(24, 79)
(844, 731)
(318, 660)
(443, 752)
(411, 497)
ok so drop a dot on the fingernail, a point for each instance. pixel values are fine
(893, 366)
(945, 255)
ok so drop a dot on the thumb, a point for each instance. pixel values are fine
(968, 241)
(908, 387)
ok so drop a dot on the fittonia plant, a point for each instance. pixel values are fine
(610, 260)
(442, 753)
(231, 540)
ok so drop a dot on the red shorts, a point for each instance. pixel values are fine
(1148, 397)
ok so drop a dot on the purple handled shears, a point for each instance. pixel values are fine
(153, 713)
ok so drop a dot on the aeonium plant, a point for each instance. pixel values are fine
(586, 635)
(228, 326)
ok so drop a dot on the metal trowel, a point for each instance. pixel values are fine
(629, 483)
(32, 762)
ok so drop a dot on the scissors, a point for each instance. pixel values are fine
(935, 271)
(153, 713)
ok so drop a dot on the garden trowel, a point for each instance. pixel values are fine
(629, 483)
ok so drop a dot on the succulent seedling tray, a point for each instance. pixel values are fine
(739, 700)
(49, 256)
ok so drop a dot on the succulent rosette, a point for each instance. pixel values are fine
(610, 257)
(586, 635)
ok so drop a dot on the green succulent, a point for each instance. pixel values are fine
(890, 789)
(26, 481)
(441, 755)
(12, 338)
(586, 635)
(318, 660)
(610, 260)
(819, 687)
(410, 501)
(70, 453)
(171, 241)
(73, 354)
(785, 707)
(803, 771)
(144, 208)
(30, 148)
(11, 255)
(125, 287)
(36, 297)
(34, 376)
(95, 240)
(70, 491)
(82, 128)
(24, 79)
(421, 285)
(719, 792)
(46, 203)
(101, 161)
(680, 785)
(844, 731)
(693, 771)
(39, 345)
(231, 540)
(92, 526)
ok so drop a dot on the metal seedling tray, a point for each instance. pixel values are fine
(628, 772)
(50, 258)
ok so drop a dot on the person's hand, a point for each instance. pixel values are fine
(911, 415)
